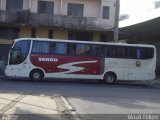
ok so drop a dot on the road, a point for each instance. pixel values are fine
(91, 99)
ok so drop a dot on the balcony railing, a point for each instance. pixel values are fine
(59, 21)
(21, 17)
(7, 17)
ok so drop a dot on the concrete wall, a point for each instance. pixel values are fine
(3, 4)
(25, 4)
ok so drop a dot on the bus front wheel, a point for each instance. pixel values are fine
(109, 78)
(36, 75)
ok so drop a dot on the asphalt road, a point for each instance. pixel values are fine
(91, 99)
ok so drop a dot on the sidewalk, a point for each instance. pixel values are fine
(33, 107)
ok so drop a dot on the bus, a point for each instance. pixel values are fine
(41, 58)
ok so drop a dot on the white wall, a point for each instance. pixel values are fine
(3, 6)
(112, 7)
(25, 4)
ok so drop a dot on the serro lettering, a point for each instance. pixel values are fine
(48, 59)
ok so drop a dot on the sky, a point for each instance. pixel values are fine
(135, 8)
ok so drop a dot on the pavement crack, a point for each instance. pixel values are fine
(65, 110)
(11, 104)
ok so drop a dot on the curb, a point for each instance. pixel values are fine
(153, 81)
(71, 109)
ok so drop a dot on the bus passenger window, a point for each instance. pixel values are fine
(114, 52)
(60, 48)
(138, 51)
(40, 47)
(71, 49)
(132, 52)
(53, 47)
(123, 52)
(149, 53)
(96, 50)
(82, 49)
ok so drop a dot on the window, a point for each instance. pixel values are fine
(75, 10)
(132, 52)
(105, 51)
(14, 5)
(53, 47)
(118, 52)
(105, 13)
(45, 7)
(19, 52)
(9, 33)
(71, 49)
(41, 47)
(123, 52)
(61, 48)
(96, 50)
(149, 53)
(58, 48)
(82, 49)
(141, 53)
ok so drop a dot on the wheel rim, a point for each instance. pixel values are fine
(109, 79)
(36, 76)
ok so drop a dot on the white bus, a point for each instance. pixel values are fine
(38, 58)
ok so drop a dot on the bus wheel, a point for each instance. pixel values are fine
(36, 75)
(110, 78)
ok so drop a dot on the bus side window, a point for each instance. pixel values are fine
(123, 52)
(96, 50)
(111, 51)
(104, 51)
(132, 52)
(143, 53)
(146, 53)
(40, 47)
(82, 49)
(149, 53)
(52, 47)
(114, 52)
(60, 48)
(138, 53)
(71, 49)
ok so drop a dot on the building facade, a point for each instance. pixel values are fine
(61, 19)
(90, 20)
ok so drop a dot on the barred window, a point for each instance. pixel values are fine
(45, 7)
(75, 10)
(14, 5)
(105, 13)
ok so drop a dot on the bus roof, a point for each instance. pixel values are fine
(87, 42)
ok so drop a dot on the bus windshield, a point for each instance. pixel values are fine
(19, 52)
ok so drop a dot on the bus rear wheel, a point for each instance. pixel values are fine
(36, 75)
(110, 78)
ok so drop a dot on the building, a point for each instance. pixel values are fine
(92, 20)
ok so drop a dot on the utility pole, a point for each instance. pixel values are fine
(116, 29)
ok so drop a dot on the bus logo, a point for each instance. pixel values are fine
(138, 63)
(47, 59)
